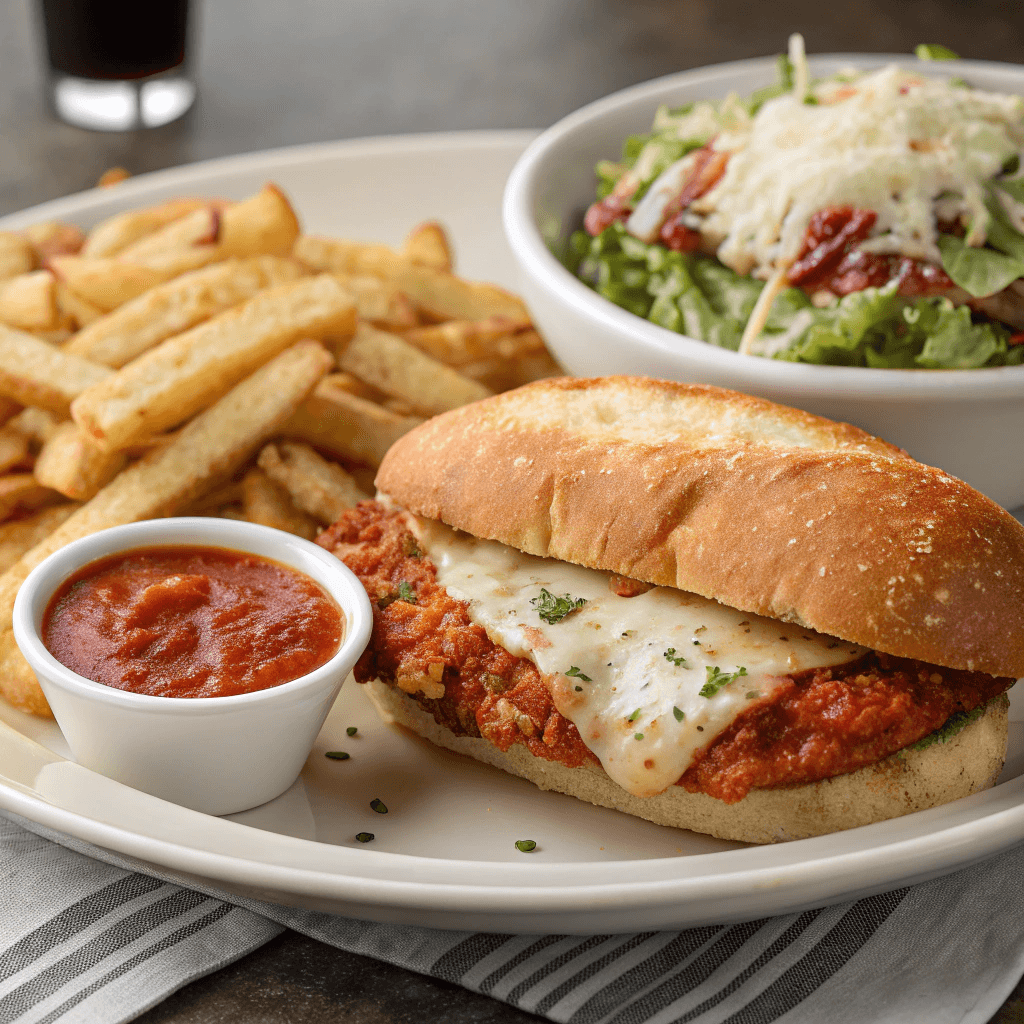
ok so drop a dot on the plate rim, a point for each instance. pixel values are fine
(937, 851)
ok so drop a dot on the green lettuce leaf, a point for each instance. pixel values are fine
(934, 51)
(698, 296)
(978, 271)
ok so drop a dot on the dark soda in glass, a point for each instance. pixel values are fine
(115, 39)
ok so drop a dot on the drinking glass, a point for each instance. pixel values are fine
(118, 64)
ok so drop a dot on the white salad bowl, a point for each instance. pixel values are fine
(213, 754)
(967, 422)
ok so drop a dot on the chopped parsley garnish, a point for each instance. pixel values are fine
(696, 643)
(578, 689)
(410, 548)
(676, 659)
(576, 673)
(525, 845)
(364, 837)
(405, 593)
(553, 609)
(337, 755)
(379, 806)
(717, 679)
(679, 714)
(633, 717)
(753, 694)
(638, 736)
(351, 730)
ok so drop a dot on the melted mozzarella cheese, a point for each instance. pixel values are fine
(635, 707)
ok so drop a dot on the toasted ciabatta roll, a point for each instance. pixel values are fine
(696, 715)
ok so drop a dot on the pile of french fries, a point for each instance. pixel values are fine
(205, 357)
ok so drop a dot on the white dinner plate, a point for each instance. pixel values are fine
(444, 855)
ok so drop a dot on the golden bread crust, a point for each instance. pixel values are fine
(907, 781)
(764, 508)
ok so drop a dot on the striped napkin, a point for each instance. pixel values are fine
(84, 938)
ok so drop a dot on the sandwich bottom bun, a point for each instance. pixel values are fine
(910, 780)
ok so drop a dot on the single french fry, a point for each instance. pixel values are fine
(186, 373)
(341, 256)
(37, 425)
(354, 386)
(112, 176)
(106, 283)
(429, 246)
(17, 681)
(380, 301)
(263, 225)
(209, 503)
(440, 295)
(20, 492)
(29, 302)
(13, 448)
(19, 536)
(16, 255)
(321, 488)
(268, 504)
(112, 236)
(501, 374)
(174, 307)
(208, 449)
(74, 308)
(54, 238)
(8, 409)
(35, 373)
(71, 463)
(458, 342)
(401, 370)
(347, 426)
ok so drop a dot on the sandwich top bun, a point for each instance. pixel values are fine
(761, 507)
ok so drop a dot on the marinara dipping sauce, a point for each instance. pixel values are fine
(183, 621)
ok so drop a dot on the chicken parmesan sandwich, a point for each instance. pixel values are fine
(691, 605)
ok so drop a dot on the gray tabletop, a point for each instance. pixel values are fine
(272, 74)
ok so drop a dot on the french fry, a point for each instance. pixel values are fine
(16, 255)
(347, 426)
(34, 373)
(354, 386)
(229, 493)
(186, 373)
(74, 465)
(29, 302)
(36, 424)
(73, 307)
(401, 370)
(458, 342)
(177, 305)
(20, 492)
(106, 283)
(428, 245)
(19, 536)
(115, 234)
(263, 225)
(380, 301)
(440, 295)
(8, 409)
(209, 449)
(17, 681)
(501, 374)
(112, 176)
(54, 238)
(268, 504)
(13, 448)
(321, 488)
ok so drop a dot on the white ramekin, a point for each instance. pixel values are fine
(213, 754)
(967, 422)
